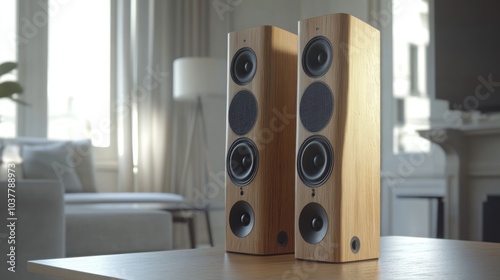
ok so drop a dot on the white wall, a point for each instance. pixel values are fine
(286, 13)
(313, 8)
(280, 13)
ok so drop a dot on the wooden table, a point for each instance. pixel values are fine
(401, 258)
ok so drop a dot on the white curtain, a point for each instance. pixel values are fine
(152, 127)
(32, 44)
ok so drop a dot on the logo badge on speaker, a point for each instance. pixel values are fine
(337, 203)
(260, 147)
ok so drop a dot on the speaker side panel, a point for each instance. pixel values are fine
(360, 206)
(280, 105)
(342, 195)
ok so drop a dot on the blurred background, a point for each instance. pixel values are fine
(103, 70)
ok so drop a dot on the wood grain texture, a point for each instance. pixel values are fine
(271, 193)
(351, 196)
(400, 258)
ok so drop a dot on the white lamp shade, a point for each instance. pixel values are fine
(199, 77)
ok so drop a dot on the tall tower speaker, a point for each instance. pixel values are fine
(338, 140)
(260, 143)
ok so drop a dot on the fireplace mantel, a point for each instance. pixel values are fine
(472, 172)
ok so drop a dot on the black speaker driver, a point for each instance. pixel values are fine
(315, 161)
(242, 161)
(313, 223)
(243, 66)
(241, 219)
(317, 57)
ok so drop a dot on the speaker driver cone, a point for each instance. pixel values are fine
(242, 161)
(317, 57)
(241, 218)
(243, 66)
(315, 161)
(313, 223)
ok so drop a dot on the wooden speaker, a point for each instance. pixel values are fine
(260, 146)
(337, 200)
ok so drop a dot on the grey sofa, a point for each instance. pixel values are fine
(48, 228)
(62, 211)
(39, 231)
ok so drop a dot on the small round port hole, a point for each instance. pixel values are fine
(355, 244)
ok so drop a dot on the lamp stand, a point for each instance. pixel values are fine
(204, 204)
(189, 147)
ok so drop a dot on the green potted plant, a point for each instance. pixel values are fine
(9, 89)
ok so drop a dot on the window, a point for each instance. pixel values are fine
(8, 52)
(411, 65)
(79, 74)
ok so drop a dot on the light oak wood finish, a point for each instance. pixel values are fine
(271, 193)
(400, 258)
(351, 196)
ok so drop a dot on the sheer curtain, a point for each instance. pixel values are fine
(152, 127)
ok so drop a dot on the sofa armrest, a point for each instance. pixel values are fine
(39, 228)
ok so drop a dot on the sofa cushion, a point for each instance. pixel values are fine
(52, 161)
(40, 231)
(98, 230)
(81, 149)
(118, 197)
(85, 168)
(10, 154)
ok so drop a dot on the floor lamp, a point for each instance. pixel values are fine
(196, 78)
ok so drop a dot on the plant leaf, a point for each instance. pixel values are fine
(7, 89)
(7, 67)
(19, 101)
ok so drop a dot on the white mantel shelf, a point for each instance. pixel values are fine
(472, 154)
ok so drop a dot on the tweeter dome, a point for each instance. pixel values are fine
(260, 143)
(337, 199)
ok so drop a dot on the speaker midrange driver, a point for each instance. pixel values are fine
(315, 161)
(242, 161)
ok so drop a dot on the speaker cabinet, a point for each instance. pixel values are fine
(260, 146)
(337, 202)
